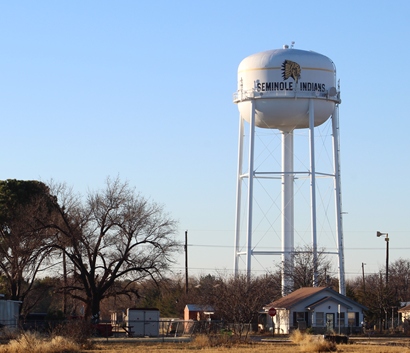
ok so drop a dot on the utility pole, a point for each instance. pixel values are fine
(65, 283)
(386, 235)
(387, 259)
(186, 262)
(364, 283)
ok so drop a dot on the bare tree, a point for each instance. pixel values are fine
(302, 268)
(115, 234)
(399, 279)
(381, 299)
(24, 243)
(238, 299)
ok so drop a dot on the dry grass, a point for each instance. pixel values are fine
(310, 343)
(33, 343)
(131, 347)
(208, 341)
(373, 349)
(187, 348)
(201, 341)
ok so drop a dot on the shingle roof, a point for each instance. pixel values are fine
(295, 297)
(405, 308)
(196, 307)
(300, 294)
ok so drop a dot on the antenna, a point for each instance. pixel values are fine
(292, 44)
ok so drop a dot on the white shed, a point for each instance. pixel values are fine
(143, 322)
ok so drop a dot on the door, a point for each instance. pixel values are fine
(137, 321)
(151, 321)
(330, 321)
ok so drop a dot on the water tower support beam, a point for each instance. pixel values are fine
(287, 212)
(313, 189)
(338, 199)
(238, 196)
(250, 188)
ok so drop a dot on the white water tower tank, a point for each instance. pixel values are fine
(281, 82)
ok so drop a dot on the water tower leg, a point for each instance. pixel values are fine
(250, 189)
(313, 189)
(338, 199)
(287, 212)
(238, 196)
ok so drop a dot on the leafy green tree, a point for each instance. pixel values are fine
(45, 296)
(163, 295)
(25, 244)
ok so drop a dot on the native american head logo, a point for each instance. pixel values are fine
(291, 69)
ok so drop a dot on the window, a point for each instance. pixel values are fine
(353, 319)
(341, 319)
(320, 319)
(300, 316)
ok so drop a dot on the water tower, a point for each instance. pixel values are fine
(286, 89)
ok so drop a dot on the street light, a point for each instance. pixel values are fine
(387, 253)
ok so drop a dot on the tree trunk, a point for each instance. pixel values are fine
(95, 309)
(92, 310)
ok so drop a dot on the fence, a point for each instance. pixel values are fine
(162, 328)
(138, 326)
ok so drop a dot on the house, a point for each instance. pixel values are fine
(198, 312)
(193, 313)
(319, 308)
(405, 313)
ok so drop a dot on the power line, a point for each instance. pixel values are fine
(266, 247)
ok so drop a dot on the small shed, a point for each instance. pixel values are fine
(9, 313)
(198, 312)
(320, 308)
(143, 322)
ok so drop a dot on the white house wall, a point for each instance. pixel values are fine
(281, 320)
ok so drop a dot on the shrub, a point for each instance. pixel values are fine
(217, 340)
(33, 343)
(201, 341)
(78, 331)
(312, 343)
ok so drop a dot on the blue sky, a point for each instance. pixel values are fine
(143, 90)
